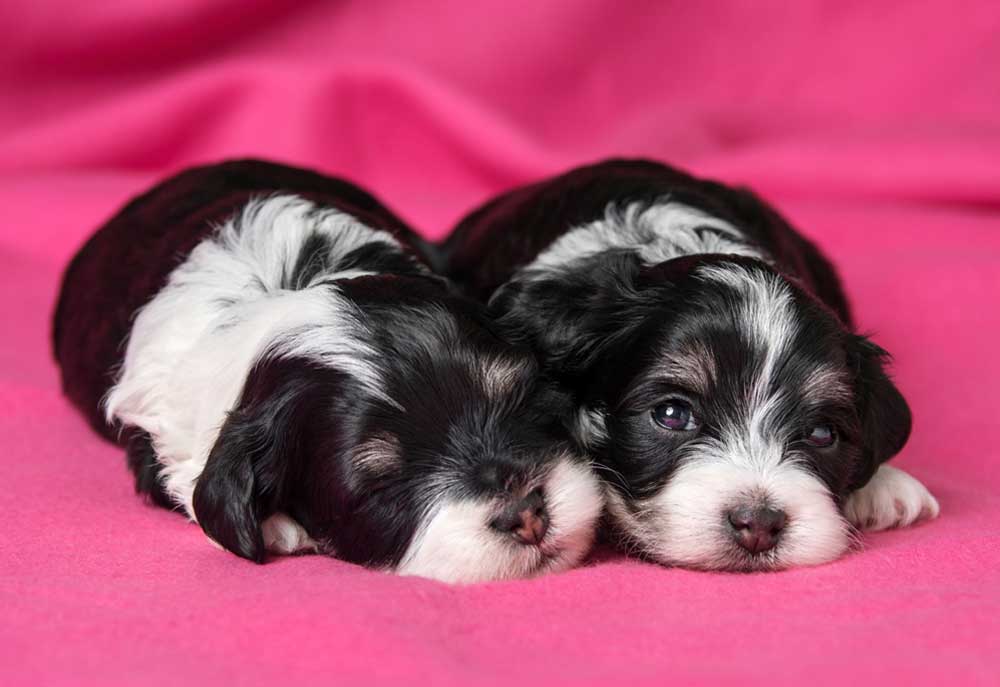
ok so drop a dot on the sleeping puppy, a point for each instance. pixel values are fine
(742, 423)
(296, 379)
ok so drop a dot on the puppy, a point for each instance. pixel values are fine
(742, 423)
(296, 379)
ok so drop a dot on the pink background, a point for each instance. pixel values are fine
(875, 126)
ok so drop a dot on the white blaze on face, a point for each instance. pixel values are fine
(685, 523)
(455, 543)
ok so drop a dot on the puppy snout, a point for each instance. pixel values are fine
(757, 528)
(527, 520)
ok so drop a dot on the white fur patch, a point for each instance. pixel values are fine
(765, 314)
(657, 233)
(192, 346)
(455, 543)
(590, 427)
(765, 317)
(284, 536)
(685, 523)
(892, 498)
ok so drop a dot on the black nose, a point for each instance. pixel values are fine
(757, 529)
(527, 520)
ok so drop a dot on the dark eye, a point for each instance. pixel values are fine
(675, 415)
(821, 436)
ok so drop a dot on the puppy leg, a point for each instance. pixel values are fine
(284, 536)
(891, 499)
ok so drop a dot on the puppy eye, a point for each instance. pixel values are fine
(676, 415)
(821, 436)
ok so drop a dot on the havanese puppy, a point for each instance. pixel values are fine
(742, 422)
(283, 366)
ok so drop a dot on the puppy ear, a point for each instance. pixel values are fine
(885, 415)
(226, 498)
(571, 317)
(258, 445)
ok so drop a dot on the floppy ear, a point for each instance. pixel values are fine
(246, 471)
(885, 415)
(571, 317)
(578, 320)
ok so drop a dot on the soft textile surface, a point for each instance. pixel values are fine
(875, 126)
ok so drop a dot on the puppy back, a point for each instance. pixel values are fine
(129, 259)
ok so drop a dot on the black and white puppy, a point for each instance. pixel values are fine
(296, 379)
(712, 354)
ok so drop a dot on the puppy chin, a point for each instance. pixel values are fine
(686, 523)
(456, 543)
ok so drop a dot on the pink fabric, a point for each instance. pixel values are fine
(875, 126)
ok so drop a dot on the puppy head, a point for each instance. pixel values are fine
(735, 411)
(417, 442)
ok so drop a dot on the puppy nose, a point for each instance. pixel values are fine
(757, 529)
(527, 520)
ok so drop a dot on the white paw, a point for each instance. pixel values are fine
(891, 499)
(284, 536)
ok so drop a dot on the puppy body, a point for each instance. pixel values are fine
(711, 351)
(238, 296)
(296, 379)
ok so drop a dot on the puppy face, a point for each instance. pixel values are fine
(489, 466)
(741, 415)
(730, 410)
(445, 456)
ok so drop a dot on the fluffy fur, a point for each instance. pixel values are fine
(296, 379)
(737, 416)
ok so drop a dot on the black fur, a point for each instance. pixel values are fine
(127, 261)
(604, 323)
(491, 243)
(290, 443)
(141, 458)
(287, 446)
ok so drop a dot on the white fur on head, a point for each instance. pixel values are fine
(227, 305)
(455, 542)
(657, 232)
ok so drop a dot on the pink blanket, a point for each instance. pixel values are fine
(875, 126)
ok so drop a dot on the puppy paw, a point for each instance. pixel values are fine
(891, 499)
(284, 536)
